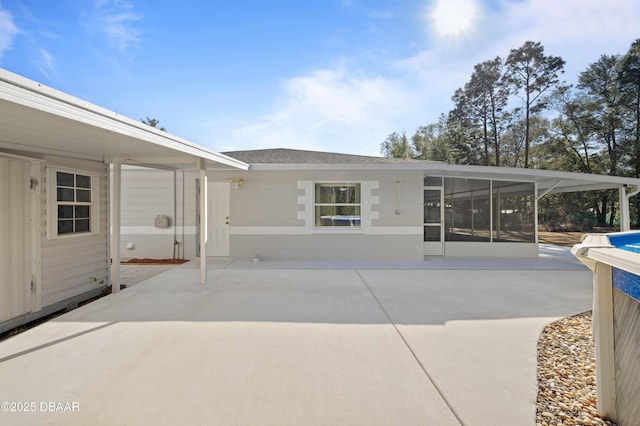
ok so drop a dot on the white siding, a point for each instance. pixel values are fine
(267, 215)
(328, 247)
(15, 238)
(147, 193)
(75, 264)
(270, 216)
(497, 249)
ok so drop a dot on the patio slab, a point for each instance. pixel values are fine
(296, 346)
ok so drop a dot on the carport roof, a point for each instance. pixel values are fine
(548, 181)
(38, 119)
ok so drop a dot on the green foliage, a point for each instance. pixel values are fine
(517, 113)
(479, 108)
(153, 123)
(431, 142)
(397, 146)
(531, 75)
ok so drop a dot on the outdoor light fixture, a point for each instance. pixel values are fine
(237, 182)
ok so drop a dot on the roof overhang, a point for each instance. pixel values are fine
(37, 119)
(548, 181)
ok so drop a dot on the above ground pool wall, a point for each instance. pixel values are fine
(615, 261)
(626, 337)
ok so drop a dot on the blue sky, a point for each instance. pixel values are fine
(333, 75)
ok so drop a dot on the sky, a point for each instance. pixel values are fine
(328, 75)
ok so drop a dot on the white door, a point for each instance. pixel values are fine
(218, 212)
(15, 238)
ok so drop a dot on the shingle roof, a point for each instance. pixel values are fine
(297, 156)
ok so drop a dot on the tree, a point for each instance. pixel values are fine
(431, 142)
(482, 101)
(465, 137)
(153, 123)
(629, 77)
(630, 87)
(602, 107)
(531, 74)
(572, 145)
(396, 146)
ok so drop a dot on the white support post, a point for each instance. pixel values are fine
(625, 220)
(535, 213)
(603, 336)
(115, 225)
(202, 167)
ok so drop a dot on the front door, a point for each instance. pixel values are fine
(15, 238)
(218, 212)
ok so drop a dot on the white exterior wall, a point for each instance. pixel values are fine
(16, 254)
(73, 265)
(267, 215)
(497, 249)
(147, 193)
(272, 216)
(53, 270)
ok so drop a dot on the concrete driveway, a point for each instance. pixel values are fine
(268, 346)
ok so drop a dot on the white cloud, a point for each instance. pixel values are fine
(8, 31)
(331, 110)
(46, 63)
(574, 20)
(577, 30)
(339, 110)
(115, 20)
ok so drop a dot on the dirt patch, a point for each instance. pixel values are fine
(560, 238)
(149, 261)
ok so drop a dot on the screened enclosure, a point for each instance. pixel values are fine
(479, 210)
(489, 210)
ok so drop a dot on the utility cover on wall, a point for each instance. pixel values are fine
(161, 221)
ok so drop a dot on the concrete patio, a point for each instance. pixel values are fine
(442, 342)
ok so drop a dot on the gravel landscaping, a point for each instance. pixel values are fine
(566, 374)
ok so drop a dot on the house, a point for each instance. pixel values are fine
(67, 219)
(296, 204)
(60, 158)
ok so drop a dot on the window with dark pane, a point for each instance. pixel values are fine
(73, 194)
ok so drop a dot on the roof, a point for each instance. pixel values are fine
(298, 156)
(548, 181)
(38, 119)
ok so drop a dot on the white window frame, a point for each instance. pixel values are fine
(337, 229)
(53, 203)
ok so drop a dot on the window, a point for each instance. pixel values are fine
(73, 202)
(337, 204)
